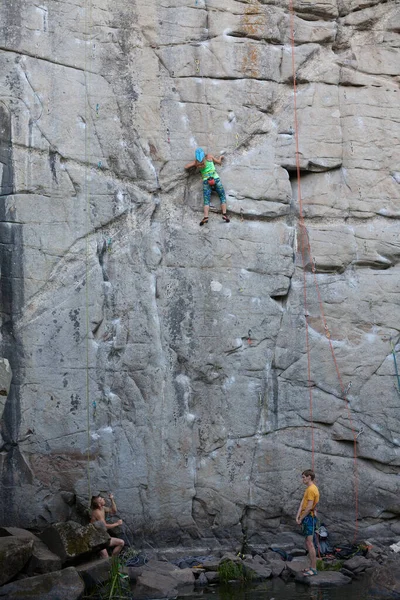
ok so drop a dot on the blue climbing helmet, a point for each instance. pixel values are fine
(199, 154)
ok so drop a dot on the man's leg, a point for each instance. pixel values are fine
(104, 553)
(311, 551)
(117, 544)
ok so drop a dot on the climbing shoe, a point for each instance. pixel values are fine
(203, 221)
(226, 218)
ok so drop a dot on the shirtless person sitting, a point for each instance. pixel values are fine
(99, 510)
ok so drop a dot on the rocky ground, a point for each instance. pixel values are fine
(61, 563)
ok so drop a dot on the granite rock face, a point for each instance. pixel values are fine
(168, 361)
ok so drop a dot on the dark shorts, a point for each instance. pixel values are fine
(308, 525)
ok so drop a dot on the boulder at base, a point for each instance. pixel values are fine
(60, 585)
(357, 564)
(95, 572)
(325, 578)
(161, 579)
(151, 584)
(72, 541)
(385, 579)
(14, 554)
(42, 559)
(257, 568)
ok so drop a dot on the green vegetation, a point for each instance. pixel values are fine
(116, 587)
(329, 566)
(118, 583)
(233, 571)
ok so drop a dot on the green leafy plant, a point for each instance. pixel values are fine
(329, 566)
(230, 570)
(116, 587)
(117, 580)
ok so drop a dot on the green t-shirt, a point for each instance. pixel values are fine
(209, 170)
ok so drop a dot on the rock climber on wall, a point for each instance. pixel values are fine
(211, 181)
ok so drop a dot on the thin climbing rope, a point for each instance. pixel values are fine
(88, 21)
(395, 363)
(303, 234)
(306, 246)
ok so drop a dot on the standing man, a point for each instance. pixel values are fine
(211, 181)
(306, 517)
(99, 510)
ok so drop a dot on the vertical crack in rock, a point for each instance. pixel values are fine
(14, 470)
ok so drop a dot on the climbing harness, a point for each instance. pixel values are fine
(306, 248)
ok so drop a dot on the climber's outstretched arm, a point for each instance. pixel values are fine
(190, 165)
(218, 161)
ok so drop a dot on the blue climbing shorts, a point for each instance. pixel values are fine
(308, 525)
(218, 187)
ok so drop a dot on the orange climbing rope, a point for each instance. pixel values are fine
(306, 247)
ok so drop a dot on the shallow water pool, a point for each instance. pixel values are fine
(276, 589)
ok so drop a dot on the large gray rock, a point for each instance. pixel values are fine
(168, 361)
(14, 554)
(385, 579)
(210, 565)
(71, 541)
(151, 584)
(42, 559)
(60, 585)
(357, 564)
(212, 576)
(324, 578)
(277, 567)
(257, 568)
(95, 572)
(179, 577)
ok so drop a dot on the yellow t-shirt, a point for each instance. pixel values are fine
(311, 493)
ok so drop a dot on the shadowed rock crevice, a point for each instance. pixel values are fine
(14, 470)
